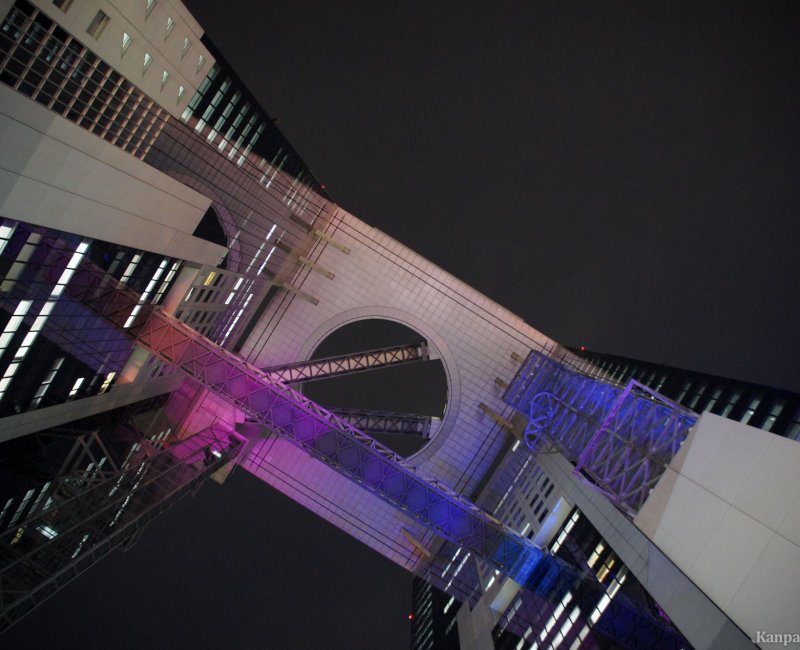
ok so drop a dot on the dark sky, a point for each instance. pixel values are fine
(622, 175)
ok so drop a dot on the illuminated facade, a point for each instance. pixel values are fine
(169, 268)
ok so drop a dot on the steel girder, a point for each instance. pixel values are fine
(348, 363)
(621, 438)
(633, 446)
(88, 514)
(386, 422)
(319, 432)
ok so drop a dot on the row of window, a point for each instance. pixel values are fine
(759, 406)
(41, 60)
(100, 21)
(224, 114)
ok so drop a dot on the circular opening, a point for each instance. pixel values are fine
(417, 388)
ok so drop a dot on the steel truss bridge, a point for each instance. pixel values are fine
(596, 424)
(620, 438)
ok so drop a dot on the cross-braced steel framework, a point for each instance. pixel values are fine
(620, 438)
(319, 432)
(386, 422)
(347, 364)
(88, 512)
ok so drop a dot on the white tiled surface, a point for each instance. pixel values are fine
(473, 336)
(697, 617)
(773, 582)
(726, 513)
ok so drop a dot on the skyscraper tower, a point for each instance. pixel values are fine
(171, 266)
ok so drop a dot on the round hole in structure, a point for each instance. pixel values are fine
(398, 405)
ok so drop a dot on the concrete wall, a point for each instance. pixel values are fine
(54, 173)
(692, 611)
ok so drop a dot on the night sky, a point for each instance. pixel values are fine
(622, 175)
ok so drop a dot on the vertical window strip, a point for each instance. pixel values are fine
(6, 508)
(13, 324)
(76, 387)
(236, 320)
(107, 382)
(21, 507)
(39, 498)
(147, 292)
(20, 262)
(43, 315)
(6, 233)
(130, 268)
(42, 391)
(164, 285)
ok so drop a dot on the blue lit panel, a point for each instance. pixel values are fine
(620, 438)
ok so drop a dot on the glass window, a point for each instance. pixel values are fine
(186, 45)
(170, 26)
(98, 24)
(149, 7)
(64, 5)
(126, 42)
(147, 61)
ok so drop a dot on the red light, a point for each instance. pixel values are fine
(410, 617)
(583, 348)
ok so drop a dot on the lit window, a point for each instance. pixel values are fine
(149, 7)
(13, 324)
(64, 5)
(200, 61)
(146, 294)
(164, 78)
(98, 24)
(186, 45)
(75, 387)
(147, 61)
(20, 262)
(107, 382)
(130, 268)
(170, 26)
(5, 235)
(167, 280)
(126, 42)
(20, 509)
(44, 313)
(46, 383)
